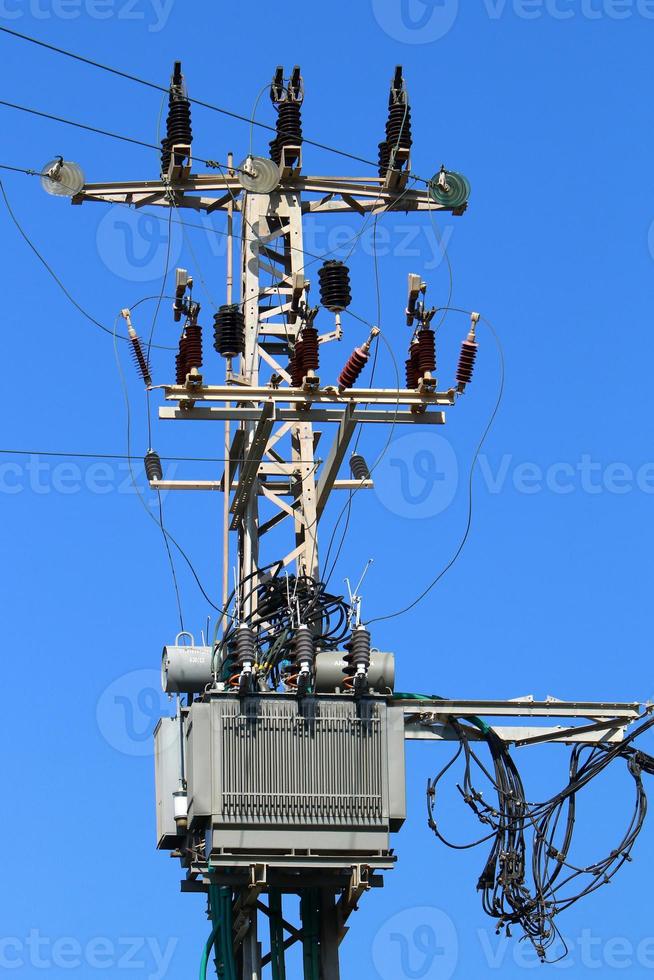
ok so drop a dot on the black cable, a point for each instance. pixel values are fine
(81, 455)
(468, 526)
(508, 894)
(198, 102)
(54, 275)
(171, 562)
(101, 132)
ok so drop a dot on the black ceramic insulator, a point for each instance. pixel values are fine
(229, 331)
(303, 647)
(178, 122)
(398, 127)
(384, 158)
(289, 129)
(152, 464)
(244, 646)
(359, 467)
(335, 292)
(359, 651)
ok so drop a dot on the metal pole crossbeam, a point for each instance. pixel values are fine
(386, 417)
(310, 396)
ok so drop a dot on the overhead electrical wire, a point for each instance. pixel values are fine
(160, 521)
(219, 166)
(468, 525)
(97, 130)
(210, 230)
(123, 456)
(80, 309)
(199, 102)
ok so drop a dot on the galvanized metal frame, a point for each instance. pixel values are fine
(267, 414)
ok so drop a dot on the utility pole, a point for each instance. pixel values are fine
(292, 744)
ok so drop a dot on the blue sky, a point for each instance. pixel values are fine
(545, 107)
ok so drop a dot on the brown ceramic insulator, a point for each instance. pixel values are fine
(296, 366)
(193, 347)
(412, 376)
(466, 362)
(310, 349)
(180, 362)
(140, 360)
(355, 365)
(426, 351)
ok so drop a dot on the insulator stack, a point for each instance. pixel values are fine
(335, 292)
(398, 127)
(355, 365)
(358, 657)
(140, 359)
(426, 351)
(229, 331)
(275, 150)
(193, 347)
(310, 351)
(178, 123)
(359, 467)
(152, 464)
(466, 363)
(245, 648)
(289, 128)
(296, 365)
(303, 657)
(180, 362)
(398, 124)
(413, 366)
(384, 158)
(303, 647)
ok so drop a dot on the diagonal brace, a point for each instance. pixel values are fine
(333, 462)
(250, 468)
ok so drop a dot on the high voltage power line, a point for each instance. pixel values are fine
(164, 89)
